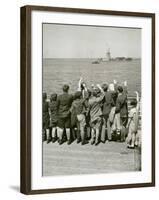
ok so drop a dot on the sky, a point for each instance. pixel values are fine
(74, 41)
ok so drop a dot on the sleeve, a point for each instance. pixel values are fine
(72, 107)
(117, 110)
(99, 99)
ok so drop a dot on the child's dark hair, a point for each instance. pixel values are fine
(44, 96)
(53, 97)
(133, 102)
(96, 92)
(120, 88)
(105, 87)
(65, 88)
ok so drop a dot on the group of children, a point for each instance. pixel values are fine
(91, 115)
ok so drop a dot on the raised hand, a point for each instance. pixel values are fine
(137, 95)
(101, 89)
(98, 85)
(125, 83)
(92, 86)
(114, 81)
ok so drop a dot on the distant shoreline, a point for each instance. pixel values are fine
(80, 58)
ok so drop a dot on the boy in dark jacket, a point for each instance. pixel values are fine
(64, 102)
(46, 119)
(108, 103)
(122, 107)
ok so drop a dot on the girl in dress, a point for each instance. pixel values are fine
(132, 124)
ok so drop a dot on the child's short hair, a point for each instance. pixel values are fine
(77, 95)
(66, 88)
(105, 87)
(133, 102)
(120, 88)
(53, 97)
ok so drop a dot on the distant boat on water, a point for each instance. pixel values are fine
(95, 62)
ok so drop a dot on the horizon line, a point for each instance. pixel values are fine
(90, 58)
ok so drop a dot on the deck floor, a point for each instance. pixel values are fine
(88, 159)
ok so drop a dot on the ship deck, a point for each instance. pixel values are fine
(109, 157)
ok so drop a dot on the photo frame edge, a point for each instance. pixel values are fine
(25, 95)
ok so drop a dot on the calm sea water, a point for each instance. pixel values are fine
(57, 72)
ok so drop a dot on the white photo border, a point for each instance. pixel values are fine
(145, 176)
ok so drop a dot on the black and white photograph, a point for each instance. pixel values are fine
(88, 110)
(91, 99)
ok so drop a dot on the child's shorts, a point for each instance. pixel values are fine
(64, 122)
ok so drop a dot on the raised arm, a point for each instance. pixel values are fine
(100, 98)
(101, 89)
(125, 87)
(115, 85)
(137, 99)
(79, 84)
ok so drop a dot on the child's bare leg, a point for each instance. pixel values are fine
(53, 134)
(133, 140)
(97, 136)
(88, 129)
(118, 124)
(78, 133)
(109, 131)
(128, 139)
(74, 133)
(82, 134)
(136, 139)
(44, 135)
(68, 134)
(48, 135)
(103, 131)
(92, 136)
(60, 134)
